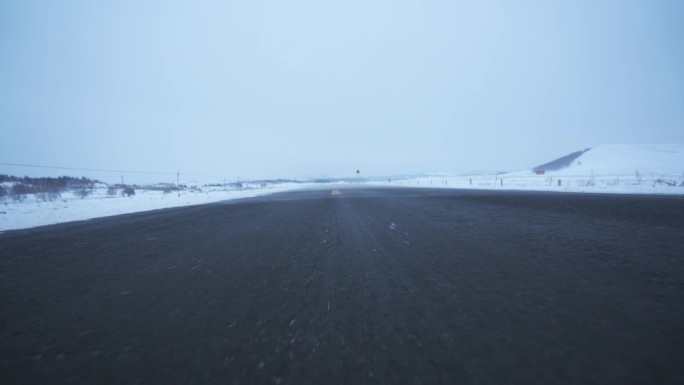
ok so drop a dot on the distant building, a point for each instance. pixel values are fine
(539, 172)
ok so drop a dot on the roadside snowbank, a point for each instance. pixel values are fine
(34, 212)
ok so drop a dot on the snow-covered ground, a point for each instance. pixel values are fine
(621, 169)
(629, 169)
(34, 211)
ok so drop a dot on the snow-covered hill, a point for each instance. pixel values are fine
(628, 159)
(615, 168)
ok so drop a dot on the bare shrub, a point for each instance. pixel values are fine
(19, 192)
(585, 182)
(666, 182)
(639, 177)
(83, 192)
(112, 191)
(612, 183)
(127, 191)
(48, 195)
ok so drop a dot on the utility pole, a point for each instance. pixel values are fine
(178, 182)
(122, 183)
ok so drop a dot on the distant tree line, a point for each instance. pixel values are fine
(63, 181)
(45, 188)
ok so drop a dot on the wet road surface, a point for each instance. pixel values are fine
(376, 286)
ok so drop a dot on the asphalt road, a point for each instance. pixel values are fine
(376, 286)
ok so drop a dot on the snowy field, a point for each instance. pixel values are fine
(617, 169)
(622, 169)
(655, 183)
(34, 211)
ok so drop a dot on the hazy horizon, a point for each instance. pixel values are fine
(308, 89)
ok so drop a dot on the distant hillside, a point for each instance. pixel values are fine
(561, 162)
(623, 159)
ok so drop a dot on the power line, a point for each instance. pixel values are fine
(209, 176)
(113, 171)
(86, 169)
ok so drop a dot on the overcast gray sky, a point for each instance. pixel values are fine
(294, 89)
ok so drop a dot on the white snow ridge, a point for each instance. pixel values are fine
(627, 160)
